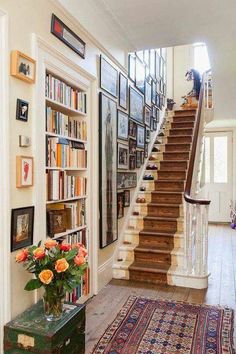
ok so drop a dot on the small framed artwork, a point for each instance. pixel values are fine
(132, 162)
(132, 129)
(135, 105)
(126, 180)
(123, 91)
(120, 205)
(147, 115)
(153, 92)
(22, 109)
(146, 150)
(132, 146)
(157, 66)
(158, 100)
(148, 94)
(122, 156)
(140, 75)
(140, 136)
(138, 159)
(154, 125)
(126, 198)
(152, 63)
(132, 67)
(158, 115)
(22, 227)
(148, 135)
(108, 77)
(24, 171)
(154, 111)
(23, 67)
(142, 157)
(122, 125)
(67, 36)
(56, 221)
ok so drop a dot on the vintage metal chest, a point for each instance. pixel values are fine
(31, 333)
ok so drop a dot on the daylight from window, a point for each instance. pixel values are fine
(201, 58)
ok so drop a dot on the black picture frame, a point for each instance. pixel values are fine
(148, 94)
(122, 156)
(158, 59)
(120, 205)
(140, 75)
(123, 91)
(22, 110)
(154, 125)
(122, 125)
(147, 116)
(131, 67)
(146, 150)
(135, 105)
(67, 36)
(148, 135)
(108, 77)
(140, 136)
(126, 180)
(152, 64)
(126, 198)
(22, 227)
(132, 162)
(132, 129)
(153, 91)
(138, 159)
(132, 146)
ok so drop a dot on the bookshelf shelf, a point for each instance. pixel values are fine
(63, 108)
(66, 168)
(69, 231)
(66, 200)
(66, 137)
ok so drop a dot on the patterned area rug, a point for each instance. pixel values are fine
(146, 326)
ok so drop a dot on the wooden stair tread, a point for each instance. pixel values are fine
(179, 136)
(162, 205)
(161, 268)
(161, 218)
(174, 161)
(168, 192)
(155, 250)
(145, 232)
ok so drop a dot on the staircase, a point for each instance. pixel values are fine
(153, 242)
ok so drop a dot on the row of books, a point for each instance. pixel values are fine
(63, 153)
(59, 123)
(60, 185)
(61, 92)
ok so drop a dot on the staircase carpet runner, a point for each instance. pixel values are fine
(152, 256)
(153, 326)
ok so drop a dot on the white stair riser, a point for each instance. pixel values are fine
(121, 274)
(126, 255)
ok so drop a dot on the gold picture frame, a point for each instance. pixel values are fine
(24, 171)
(23, 67)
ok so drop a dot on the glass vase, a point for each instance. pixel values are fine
(53, 300)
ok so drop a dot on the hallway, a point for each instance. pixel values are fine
(102, 309)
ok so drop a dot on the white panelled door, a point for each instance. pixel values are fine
(218, 174)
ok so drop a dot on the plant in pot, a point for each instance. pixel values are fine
(56, 267)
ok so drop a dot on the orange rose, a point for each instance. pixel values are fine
(22, 255)
(61, 265)
(79, 260)
(46, 276)
(81, 248)
(49, 243)
(77, 245)
(39, 253)
(64, 246)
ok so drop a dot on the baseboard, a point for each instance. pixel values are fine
(187, 281)
(105, 273)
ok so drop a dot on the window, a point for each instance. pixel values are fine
(201, 59)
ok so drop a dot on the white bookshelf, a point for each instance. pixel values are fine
(67, 137)
(63, 108)
(66, 200)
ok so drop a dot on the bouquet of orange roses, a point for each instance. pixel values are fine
(57, 267)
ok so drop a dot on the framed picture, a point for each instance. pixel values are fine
(147, 57)
(140, 136)
(108, 77)
(23, 67)
(122, 156)
(107, 168)
(132, 129)
(147, 115)
(56, 221)
(126, 180)
(122, 125)
(154, 125)
(24, 171)
(138, 159)
(158, 101)
(146, 150)
(158, 115)
(123, 91)
(126, 198)
(148, 135)
(120, 205)
(132, 67)
(132, 146)
(135, 105)
(154, 111)
(148, 94)
(22, 109)
(142, 157)
(157, 66)
(132, 162)
(151, 124)
(140, 75)
(22, 227)
(67, 36)
(153, 92)
(140, 55)
(152, 63)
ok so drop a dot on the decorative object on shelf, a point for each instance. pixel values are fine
(108, 77)
(56, 221)
(67, 36)
(122, 125)
(123, 91)
(138, 159)
(108, 165)
(131, 66)
(120, 205)
(135, 105)
(126, 198)
(56, 267)
(140, 136)
(147, 115)
(122, 156)
(132, 146)
(126, 180)
(148, 94)
(23, 67)
(22, 227)
(140, 75)
(132, 162)
(24, 171)
(148, 178)
(22, 109)
(148, 135)
(24, 141)
(132, 129)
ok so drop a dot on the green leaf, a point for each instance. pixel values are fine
(71, 254)
(33, 284)
(40, 242)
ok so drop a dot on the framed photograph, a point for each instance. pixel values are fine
(142, 157)
(146, 150)
(153, 92)
(108, 77)
(148, 135)
(147, 57)
(126, 180)
(122, 125)
(140, 136)
(132, 146)
(151, 124)
(154, 111)
(120, 205)
(122, 156)
(132, 129)
(140, 75)
(153, 64)
(158, 66)
(154, 125)
(22, 227)
(126, 198)
(147, 115)
(123, 91)
(158, 101)
(23, 67)
(135, 105)
(24, 171)
(67, 36)
(132, 162)
(158, 115)
(107, 168)
(138, 159)
(22, 109)
(132, 67)
(56, 221)
(148, 94)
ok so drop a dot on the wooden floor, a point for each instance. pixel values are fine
(102, 309)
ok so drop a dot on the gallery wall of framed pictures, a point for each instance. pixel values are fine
(139, 98)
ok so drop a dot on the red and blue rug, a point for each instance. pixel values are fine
(146, 326)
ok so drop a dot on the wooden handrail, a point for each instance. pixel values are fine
(188, 185)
